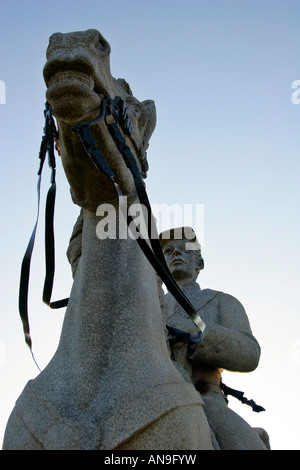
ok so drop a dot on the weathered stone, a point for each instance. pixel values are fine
(111, 383)
(228, 342)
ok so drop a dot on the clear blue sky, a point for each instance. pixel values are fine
(227, 138)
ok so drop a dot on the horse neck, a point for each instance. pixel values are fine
(114, 303)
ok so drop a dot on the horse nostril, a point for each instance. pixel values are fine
(100, 43)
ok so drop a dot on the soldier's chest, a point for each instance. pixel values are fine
(179, 319)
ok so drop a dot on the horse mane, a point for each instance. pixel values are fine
(74, 249)
(151, 110)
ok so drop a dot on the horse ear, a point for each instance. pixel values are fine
(151, 123)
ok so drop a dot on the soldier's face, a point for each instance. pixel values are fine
(180, 261)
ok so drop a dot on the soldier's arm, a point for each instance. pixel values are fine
(229, 344)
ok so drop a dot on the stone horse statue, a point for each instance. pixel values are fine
(111, 383)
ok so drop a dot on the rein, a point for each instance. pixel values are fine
(153, 251)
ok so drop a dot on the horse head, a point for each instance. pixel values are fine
(77, 75)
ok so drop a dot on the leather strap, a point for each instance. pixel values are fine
(155, 256)
(50, 249)
(47, 147)
(240, 396)
(153, 252)
(25, 273)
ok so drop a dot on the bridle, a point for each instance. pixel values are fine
(151, 248)
(153, 251)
